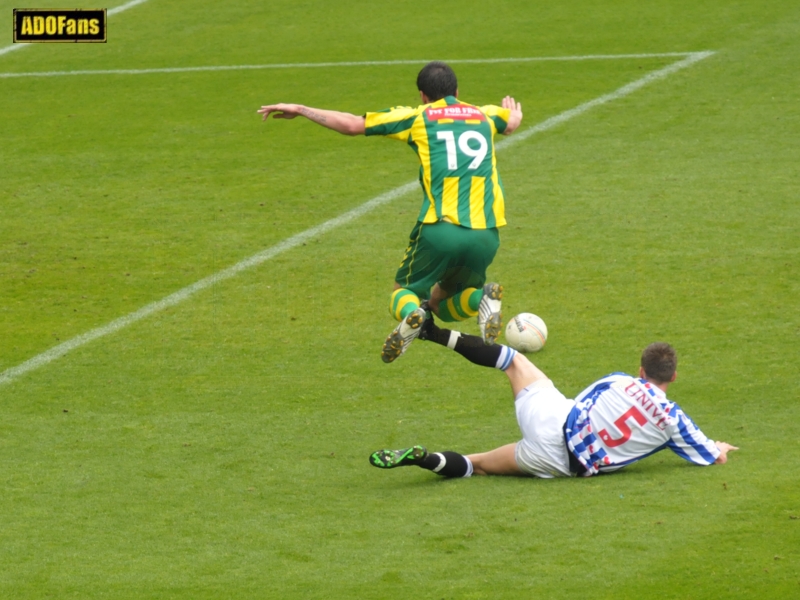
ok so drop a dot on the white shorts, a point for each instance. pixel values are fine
(541, 413)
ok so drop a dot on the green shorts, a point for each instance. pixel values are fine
(455, 257)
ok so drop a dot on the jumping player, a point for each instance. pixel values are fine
(616, 421)
(456, 235)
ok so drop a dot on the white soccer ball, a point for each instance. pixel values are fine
(526, 332)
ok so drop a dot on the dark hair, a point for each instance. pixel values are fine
(659, 361)
(437, 80)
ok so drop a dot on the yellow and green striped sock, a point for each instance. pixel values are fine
(403, 303)
(461, 306)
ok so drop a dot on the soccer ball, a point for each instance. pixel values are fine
(526, 332)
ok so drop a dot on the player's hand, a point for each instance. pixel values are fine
(724, 448)
(509, 102)
(279, 111)
(516, 113)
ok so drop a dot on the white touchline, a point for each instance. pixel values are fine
(296, 240)
(368, 63)
(615, 95)
(126, 6)
(109, 12)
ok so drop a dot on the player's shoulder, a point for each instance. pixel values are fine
(398, 109)
(618, 377)
(390, 120)
(492, 110)
(598, 387)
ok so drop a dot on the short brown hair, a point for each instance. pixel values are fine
(659, 361)
(437, 80)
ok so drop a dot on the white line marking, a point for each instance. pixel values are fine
(339, 64)
(109, 12)
(296, 240)
(11, 48)
(123, 7)
(615, 95)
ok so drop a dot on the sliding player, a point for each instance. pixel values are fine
(456, 235)
(616, 421)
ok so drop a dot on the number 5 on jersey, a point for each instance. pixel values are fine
(622, 426)
(476, 154)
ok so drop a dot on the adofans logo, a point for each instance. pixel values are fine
(59, 25)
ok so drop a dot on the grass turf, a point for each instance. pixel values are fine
(219, 448)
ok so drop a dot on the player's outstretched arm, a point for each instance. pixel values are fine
(344, 123)
(724, 448)
(516, 114)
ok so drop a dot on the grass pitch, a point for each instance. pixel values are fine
(218, 449)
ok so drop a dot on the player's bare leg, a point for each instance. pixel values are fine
(500, 461)
(523, 373)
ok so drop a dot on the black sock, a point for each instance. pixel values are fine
(470, 347)
(447, 464)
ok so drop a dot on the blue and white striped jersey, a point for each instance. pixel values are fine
(621, 419)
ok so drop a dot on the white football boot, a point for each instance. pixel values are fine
(402, 336)
(490, 319)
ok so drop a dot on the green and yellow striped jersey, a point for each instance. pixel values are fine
(458, 169)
